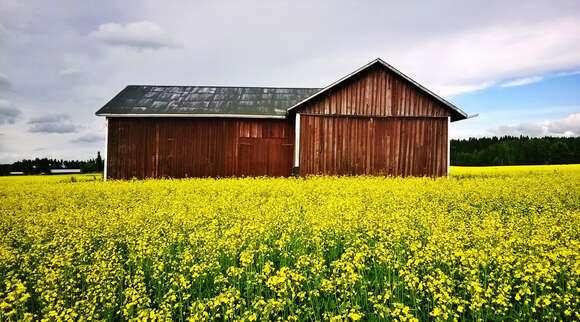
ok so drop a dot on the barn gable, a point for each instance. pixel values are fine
(373, 121)
(377, 89)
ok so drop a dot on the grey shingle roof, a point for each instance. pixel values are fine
(204, 100)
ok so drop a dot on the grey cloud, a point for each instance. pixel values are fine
(52, 123)
(50, 118)
(70, 72)
(5, 83)
(569, 126)
(89, 138)
(74, 76)
(142, 34)
(8, 113)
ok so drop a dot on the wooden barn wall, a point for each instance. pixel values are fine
(376, 123)
(397, 146)
(376, 92)
(198, 147)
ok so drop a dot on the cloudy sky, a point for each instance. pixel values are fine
(516, 63)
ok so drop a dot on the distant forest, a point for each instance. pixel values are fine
(44, 165)
(510, 150)
(505, 150)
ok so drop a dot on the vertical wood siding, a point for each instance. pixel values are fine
(397, 146)
(376, 92)
(190, 147)
(376, 123)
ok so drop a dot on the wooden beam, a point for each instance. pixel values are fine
(106, 148)
(297, 141)
(448, 147)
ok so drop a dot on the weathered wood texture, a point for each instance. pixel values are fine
(198, 147)
(396, 146)
(376, 92)
(375, 123)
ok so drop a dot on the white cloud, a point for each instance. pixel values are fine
(143, 34)
(569, 126)
(8, 113)
(568, 73)
(454, 89)
(522, 81)
(455, 63)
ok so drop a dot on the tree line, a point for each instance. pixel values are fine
(513, 150)
(505, 150)
(44, 165)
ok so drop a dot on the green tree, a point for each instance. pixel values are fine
(99, 162)
(559, 153)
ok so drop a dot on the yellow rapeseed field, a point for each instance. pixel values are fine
(485, 244)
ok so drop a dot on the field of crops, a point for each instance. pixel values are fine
(486, 244)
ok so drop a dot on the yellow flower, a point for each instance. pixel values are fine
(495, 243)
(436, 312)
(354, 316)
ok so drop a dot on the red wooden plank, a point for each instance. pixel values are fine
(178, 147)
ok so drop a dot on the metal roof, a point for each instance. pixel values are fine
(204, 101)
(225, 101)
(456, 113)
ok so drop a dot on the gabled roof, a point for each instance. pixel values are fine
(456, 113)
(224, 101)
(204, 101)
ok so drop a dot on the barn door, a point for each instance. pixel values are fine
(264, 157)
(244, 159)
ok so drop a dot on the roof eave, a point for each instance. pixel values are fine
(247, 116)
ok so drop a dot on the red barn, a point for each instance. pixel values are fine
(374, 121)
